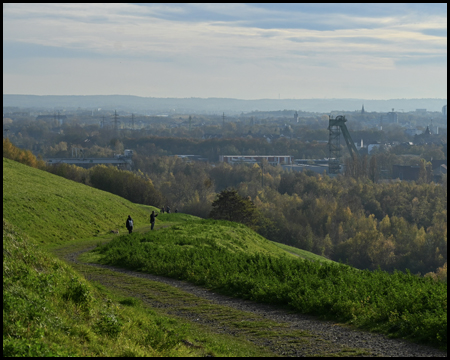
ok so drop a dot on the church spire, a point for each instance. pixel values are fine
(362, 110)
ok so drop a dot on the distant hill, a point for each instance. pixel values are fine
(150, 105)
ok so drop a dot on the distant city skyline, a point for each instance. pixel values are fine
(239, 51)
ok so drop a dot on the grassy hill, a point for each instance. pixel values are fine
(52, 209)
(231, 259)
(49, 309)
(45, 301)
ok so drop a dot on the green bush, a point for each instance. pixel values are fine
(108, 324)
(78, 292)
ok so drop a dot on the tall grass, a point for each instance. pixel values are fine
(224, 257)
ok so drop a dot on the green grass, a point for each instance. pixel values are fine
(232, 259)
(303, 253)
(50, 310)
(213, 317)
(55, 210)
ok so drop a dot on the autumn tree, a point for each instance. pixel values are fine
(23, 156)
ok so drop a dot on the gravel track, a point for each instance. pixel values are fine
(328, 337)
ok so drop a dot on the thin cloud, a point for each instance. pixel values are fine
(231, 42)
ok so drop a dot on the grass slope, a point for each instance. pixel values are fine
(55, 210)
(202, 236)
(304, 254)
(231, 259)
(50, 310)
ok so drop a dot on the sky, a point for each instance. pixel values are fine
(241, 51)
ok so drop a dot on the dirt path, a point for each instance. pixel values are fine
(283, 332)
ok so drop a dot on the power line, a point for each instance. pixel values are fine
(115, 120)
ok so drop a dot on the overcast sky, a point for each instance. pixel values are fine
(243, 51)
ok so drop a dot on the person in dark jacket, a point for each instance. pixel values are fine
(152, 219)
(129, 224)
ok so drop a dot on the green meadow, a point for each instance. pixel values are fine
(50, 309)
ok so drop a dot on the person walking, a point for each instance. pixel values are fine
(152, 219)
(129, 224)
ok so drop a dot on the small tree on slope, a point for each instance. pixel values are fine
(230, 206)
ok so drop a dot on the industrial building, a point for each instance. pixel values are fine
(253, 159)
(121, 161)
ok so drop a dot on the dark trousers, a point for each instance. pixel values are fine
(153, 225)
(130, 230)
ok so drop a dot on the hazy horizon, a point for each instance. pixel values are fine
(216, 105)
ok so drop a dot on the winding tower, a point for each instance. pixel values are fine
(336, 127)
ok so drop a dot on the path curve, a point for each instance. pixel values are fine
(335, 334)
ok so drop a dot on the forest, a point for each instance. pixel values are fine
(388, 225)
